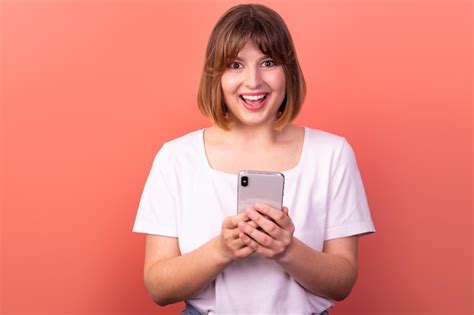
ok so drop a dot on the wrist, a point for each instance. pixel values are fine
(285, 257)
(221, 255)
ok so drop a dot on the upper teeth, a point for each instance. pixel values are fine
(253, 98)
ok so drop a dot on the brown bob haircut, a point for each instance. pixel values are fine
(268, 31)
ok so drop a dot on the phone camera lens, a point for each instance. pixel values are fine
(244, 181)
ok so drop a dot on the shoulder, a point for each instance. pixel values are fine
(186, 146)
(185, 143)
(329, 147)
(324, 141)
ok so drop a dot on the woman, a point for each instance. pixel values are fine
(295, 260)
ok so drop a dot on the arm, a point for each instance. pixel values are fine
(171, 277)
(331, 273)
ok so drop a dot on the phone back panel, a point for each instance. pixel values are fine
(263, 187)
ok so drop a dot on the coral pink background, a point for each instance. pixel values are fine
(91, 89)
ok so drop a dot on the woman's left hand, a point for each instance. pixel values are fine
(275, 234)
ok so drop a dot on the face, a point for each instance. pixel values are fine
(253, 88)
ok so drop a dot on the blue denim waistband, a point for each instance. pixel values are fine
(191, 310)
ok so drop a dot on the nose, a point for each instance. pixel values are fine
(253, 78)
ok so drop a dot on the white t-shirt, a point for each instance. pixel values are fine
(185, 198)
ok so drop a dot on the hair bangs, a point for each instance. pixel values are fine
(269, 42)
(262, 34)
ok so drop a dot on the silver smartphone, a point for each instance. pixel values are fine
(263, 187)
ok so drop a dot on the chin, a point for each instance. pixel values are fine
(254, 119)
(256, 122)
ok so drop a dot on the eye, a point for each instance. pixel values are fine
(235, 65)
(268, 63)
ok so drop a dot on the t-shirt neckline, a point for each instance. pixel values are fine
(289, 172)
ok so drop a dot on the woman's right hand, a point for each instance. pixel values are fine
(230, 244)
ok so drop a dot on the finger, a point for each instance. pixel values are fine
(231, 222)
(246, 218)
(247, 241)
(277, 215)
(252, 224)
(260, 237)
(233, 245)
(244, 251)
(237, 244)
(231, 234)
(255, 246)
(267, 225)
(226, 223)
(285, 210)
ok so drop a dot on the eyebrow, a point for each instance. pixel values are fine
(259, 59)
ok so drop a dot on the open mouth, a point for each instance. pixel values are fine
(254, 101)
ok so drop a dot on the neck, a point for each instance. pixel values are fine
(261, 135)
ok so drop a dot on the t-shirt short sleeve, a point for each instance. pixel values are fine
(157, 208)
(348, 211)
